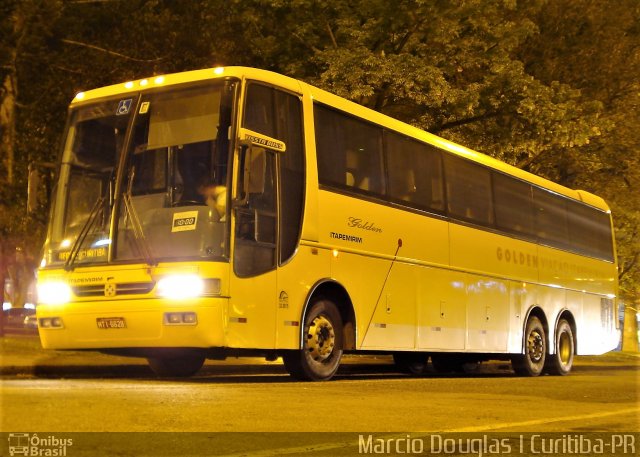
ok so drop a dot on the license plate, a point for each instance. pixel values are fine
(111, 322)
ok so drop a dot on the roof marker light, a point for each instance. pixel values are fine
(79, 95)
(128, 85)
(144, 82)
(159, 80)
(218, 70)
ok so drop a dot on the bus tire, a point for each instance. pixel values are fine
(413, 363)
(531, 363)
(319, 358)
(176, 366)
(560, 363)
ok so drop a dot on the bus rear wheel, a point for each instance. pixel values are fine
(531, 363)
(319, 358)
(180, 366)
(560, 363)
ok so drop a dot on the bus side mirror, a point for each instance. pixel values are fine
(253, 162)
(254, 167)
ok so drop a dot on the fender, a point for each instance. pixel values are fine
(555, 326)
(550, 338)
(307, 301)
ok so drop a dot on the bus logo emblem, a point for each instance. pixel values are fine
(109, 289)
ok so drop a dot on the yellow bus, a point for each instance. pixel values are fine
(237, 212)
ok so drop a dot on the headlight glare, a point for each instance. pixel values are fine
(181, 286)
(54, 293)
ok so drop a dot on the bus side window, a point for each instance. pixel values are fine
(349, 152)
(356, 175)
(513, 205)
(551, 218)
(590, 231)
(468, 191)
(415, 173)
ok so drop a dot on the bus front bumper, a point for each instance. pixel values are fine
(144, 323)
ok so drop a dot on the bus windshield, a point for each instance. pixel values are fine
(166, 198)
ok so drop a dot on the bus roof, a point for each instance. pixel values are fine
(340, 103)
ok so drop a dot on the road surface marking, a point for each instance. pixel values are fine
(479, 428)
(551, 420)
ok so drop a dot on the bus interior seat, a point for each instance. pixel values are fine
(405, 189)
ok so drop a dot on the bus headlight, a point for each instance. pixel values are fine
(54, 293)
(180, 286)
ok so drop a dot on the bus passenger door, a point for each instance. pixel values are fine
(268, 220)
(252, 305)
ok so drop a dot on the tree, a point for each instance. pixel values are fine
(452, 68)
(27, 28)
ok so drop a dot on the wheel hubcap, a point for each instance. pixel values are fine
(535, 345)
(321, 339)
(564, 349)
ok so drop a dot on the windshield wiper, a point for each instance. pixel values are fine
(88, 225)
(138, 232)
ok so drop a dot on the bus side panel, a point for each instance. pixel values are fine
(362, 277)
(589, 283)
(596, 328)
(563, 269)
(393, 324)
(365, 237)
(522, 297)
(373, 229)
(442, 305)
(488, 314)
(474, 250)
(295, 281)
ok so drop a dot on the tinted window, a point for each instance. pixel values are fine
(259, 114)
(289, 130)
(415, 173)
(279, 115)
(590, 231)
(468, 191)
(551, 218)
(513, 205)
(349, 152)
(150, 172)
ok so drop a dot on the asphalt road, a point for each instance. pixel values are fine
(600, 395)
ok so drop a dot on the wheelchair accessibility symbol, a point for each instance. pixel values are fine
(123, 107)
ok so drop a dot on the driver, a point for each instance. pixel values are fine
(215, 197)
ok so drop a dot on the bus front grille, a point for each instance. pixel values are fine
(112, 289)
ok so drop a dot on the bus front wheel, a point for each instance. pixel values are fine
(531, 363)
(319, 358)
(176, 365)
(560, 363)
